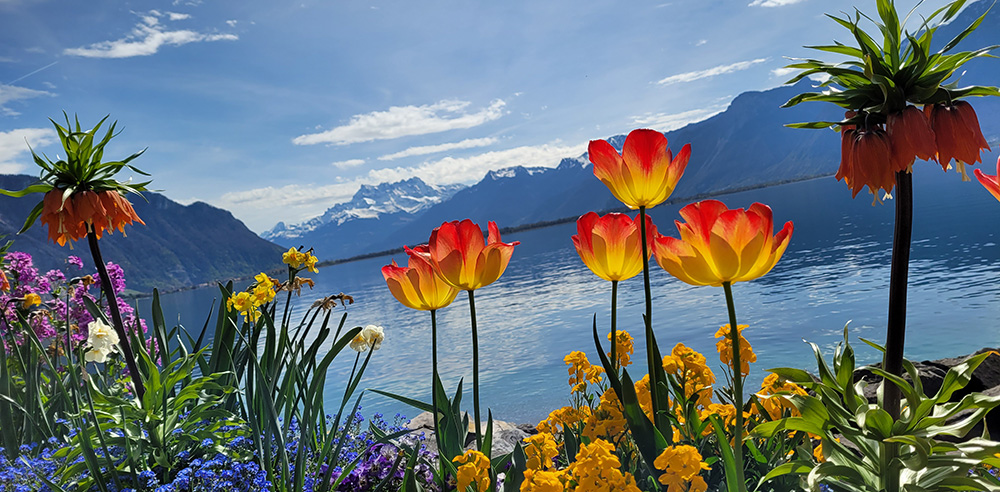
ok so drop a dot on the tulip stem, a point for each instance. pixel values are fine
(734, 337)
(475, 371)
(434, 380)
(650, 349)
(895, 335)
(116, 315)
(614, 330)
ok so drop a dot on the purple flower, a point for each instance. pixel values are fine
(75, 261)
(117, 276)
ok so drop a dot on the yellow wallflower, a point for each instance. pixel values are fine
(692, 370)
(607, 421)
(775, 405)
(623, 348)
(597, 469)
(645, 398)
(682, 466)
(543, 481)
(473, 470)
(581, 372)
(31, 299)
(540, 449)
(558, 419)
(725, 411)
(725, 348)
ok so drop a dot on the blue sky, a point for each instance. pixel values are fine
(278, 110)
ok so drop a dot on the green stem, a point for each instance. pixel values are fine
(434, 398)
(116, 315)
(475, 371)
(734, 336)
(650, 358)
(614, 330)
(895, 335)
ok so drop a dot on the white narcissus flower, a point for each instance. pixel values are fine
(370, 336)
(102, 340)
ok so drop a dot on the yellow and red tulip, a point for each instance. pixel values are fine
(992, 183)
(463, 259)
(611, 246)
(645, 173)
(416, 286)
(720, 245)
(957, 134)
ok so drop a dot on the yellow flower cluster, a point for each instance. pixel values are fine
(607, 420)
(561, 418)
(248, 302)
(581, 372)
(725, 348)
(540, 449)
(725, 412)
(623, 348)
(775, 405)
(682, 466)
(297, 259)
(644, 396)
(691, 370)
(597, 469)
(473, 470)
(543, 481)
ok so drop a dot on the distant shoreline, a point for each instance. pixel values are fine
(508, 230)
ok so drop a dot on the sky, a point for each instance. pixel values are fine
(276, 111)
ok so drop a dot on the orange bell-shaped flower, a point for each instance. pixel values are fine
(911, 137)
(992, 183)
(645, 173)
(416, 286)
(719, 245)
(957, 134)
(68, 219)
(866, 160)
(463, 259)
(611, 246)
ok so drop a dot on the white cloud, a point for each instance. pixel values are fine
(14, 147)
(174, 16)
(666, 122)
(146, 39)
(261, 208)
(348, 163)
(10, 93)
(701, 42)
(783, 72)
(711, 72)
(467, 169)
(232, 22)
(434, 149)
(401, 121)
(773, 3)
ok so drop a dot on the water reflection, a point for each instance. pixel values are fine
(836, 270)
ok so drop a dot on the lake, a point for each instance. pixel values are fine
(836, 269)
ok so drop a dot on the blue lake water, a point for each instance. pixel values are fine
(835, 270)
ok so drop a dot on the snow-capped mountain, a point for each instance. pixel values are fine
(391, 204)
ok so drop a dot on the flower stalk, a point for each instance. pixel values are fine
(475, 370)
(116, 315)
(734, 336)
(648, 317)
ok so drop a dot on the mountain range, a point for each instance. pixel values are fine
(180, 245)
(746, 145)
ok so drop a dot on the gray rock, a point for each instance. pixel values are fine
(505, 434)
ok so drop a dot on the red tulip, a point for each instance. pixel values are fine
(992, 183)
(611, 245)
(645, 173)
(911, 137)
(463, 260)
(957, 134)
